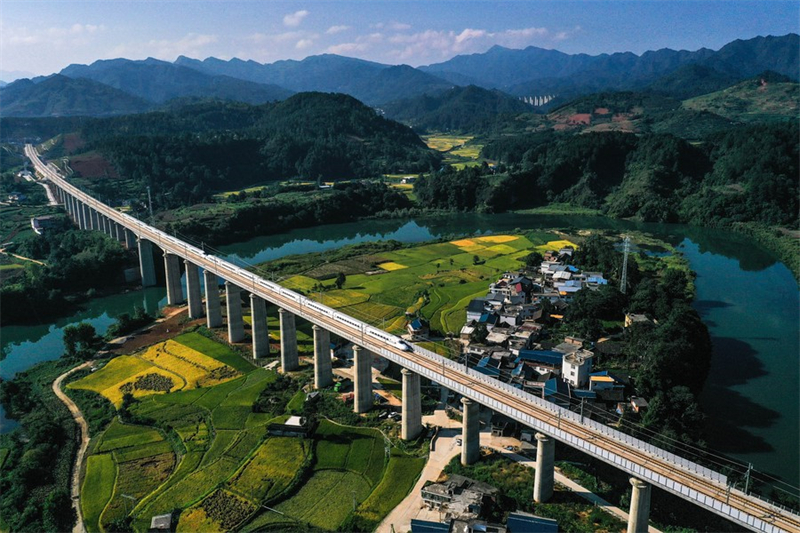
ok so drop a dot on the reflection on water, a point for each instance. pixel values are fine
(748, 300)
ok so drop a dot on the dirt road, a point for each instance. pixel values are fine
(84, 443)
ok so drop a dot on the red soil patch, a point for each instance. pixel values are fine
(580, 118)
(602, 111)
(73, 143)
(93, 166)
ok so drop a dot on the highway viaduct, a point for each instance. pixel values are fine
(647, 464)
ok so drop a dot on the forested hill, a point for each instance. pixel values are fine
(189, 153)
(744, 175)
(62, 96)
(466, 109)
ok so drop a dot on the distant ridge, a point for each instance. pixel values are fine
(62, 96)
(372, 83)
(159, 81)
(524, 72)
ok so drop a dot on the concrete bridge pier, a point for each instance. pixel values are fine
(147, 267)
(233, 301)
(259, 328)
(213, 307)
(362, 366)
(118, 232)
(130, 238)
(193, 293)
(172, 268)
(640, 506)
(69, 207)
(104, 226)
(545, 459)
(76, 211)
(289, 360)
(470, 432)
(83, 210)
(323, 370)
(95, 219)
(411, 424)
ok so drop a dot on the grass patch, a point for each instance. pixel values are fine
(401, 475)
(216, 350)
(119, 435)
(98, 486)
(271, 468)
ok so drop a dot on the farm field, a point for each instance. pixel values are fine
(202, 450)
(436, 280)
(351, 471)
(459, 150)
(162, 368)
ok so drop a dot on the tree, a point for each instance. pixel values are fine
(479, 334)
(57, 512)
(80, 339)
(340, 279)
(533, 260)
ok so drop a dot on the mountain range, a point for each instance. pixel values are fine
(120, 86)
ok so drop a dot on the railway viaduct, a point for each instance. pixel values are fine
(647, 464)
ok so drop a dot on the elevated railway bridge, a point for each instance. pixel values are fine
(648, 465)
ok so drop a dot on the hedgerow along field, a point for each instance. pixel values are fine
(205, 452)
(436, 280)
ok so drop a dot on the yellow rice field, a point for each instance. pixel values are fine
(497, 239)
(391, 266)
(185, 367)
(555, 245)
(197, 369)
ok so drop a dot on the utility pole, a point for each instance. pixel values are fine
(747, 478)
(150, 203)
(624, 278)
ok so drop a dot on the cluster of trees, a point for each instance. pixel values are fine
(745, 174)
(127, 323)
(74, 261)
(34, 481)
(346, 202)
(186, 154)
(670, 358)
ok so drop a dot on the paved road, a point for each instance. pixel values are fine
(76, 470)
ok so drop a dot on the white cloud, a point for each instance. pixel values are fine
(362, 43)
(347, 48)
(333, 30)
(438, 44)
(292, 20)
(75, 35)
(191, 45)
(304, 44)
(399, 26)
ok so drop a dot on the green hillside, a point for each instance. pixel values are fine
(755, 100)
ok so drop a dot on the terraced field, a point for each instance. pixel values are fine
(437, 280)
(163, 368)
(350, 478)
(204, 451)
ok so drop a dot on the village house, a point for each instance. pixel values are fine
(460, 497)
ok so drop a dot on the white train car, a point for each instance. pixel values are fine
(395, 341)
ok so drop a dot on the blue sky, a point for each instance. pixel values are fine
(41, 37)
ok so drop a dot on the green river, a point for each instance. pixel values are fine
(748, 299)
